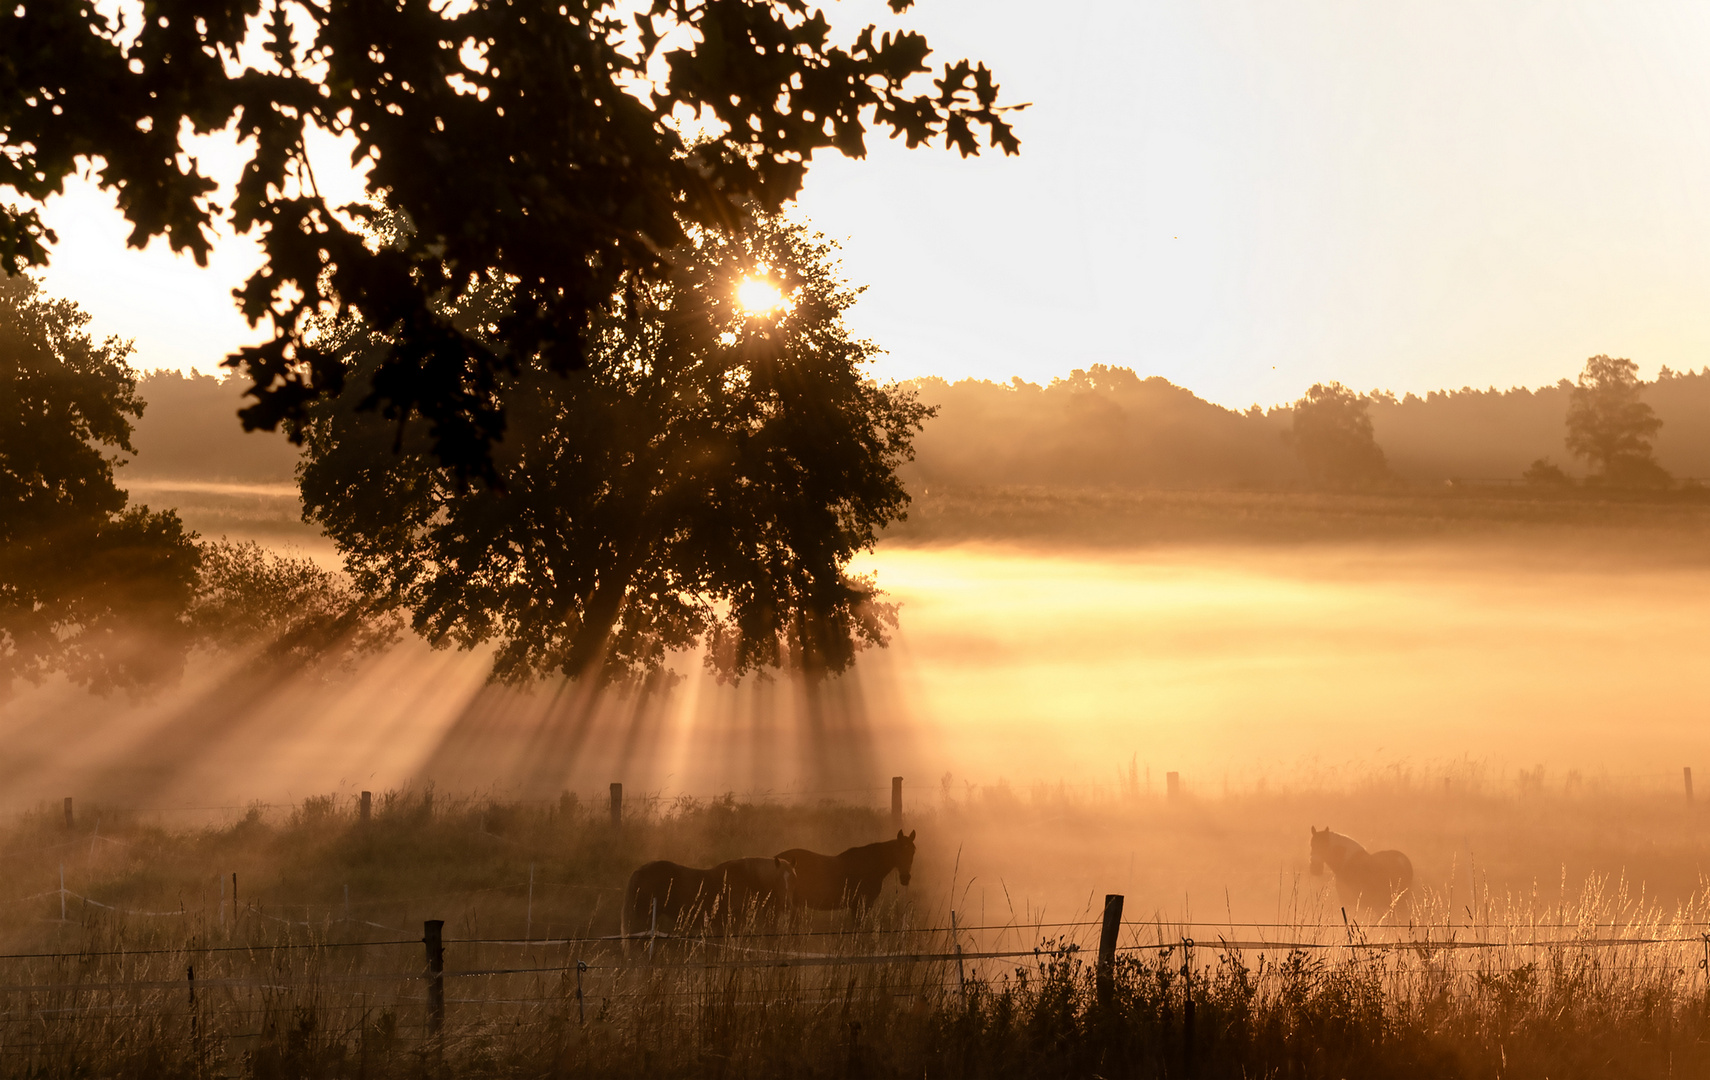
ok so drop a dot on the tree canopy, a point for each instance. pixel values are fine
(1332, 432)
(536, 144)
(88, 585)
(1609, 426)
(704, 478)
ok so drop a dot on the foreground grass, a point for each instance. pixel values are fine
(289, 981)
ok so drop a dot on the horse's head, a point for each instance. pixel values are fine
(905, 855)
(1320, 844)
(786, 877)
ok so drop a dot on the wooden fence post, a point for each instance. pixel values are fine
(365, 811)
(617, 805)
(1173, 785)
(896, 802)
(68, 817)
(961, 975)
(1688, 771)
(431, 937)
(1188, 1062)
(195, 1020)
(1107, 939)
(528, 921)
(581, 1010)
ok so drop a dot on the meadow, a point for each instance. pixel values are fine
(310, 961)
(1504, 687)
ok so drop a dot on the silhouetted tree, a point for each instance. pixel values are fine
(1332, 433)
(87, 586)
(532, 142)
(704, 478)
(1611, 428)
(286, 608)
(1546, 473)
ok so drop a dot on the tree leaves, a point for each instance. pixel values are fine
(87, 586)
(1610, 427)
(1332, 433)
(523, 139)
(704, 479)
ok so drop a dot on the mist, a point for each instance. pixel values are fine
(1033, 699)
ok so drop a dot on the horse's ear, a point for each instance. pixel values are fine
(911, 836)
(899, 834)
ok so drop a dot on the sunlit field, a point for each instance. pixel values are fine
(1472, 700)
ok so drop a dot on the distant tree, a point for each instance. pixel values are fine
(1332, 433)
(1546, 473)
(87, 586)
(287, 609)
(1611, 428)
(535, 142)
(705, 478)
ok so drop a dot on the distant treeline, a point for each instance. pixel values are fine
(1105, 426)
(189, 429)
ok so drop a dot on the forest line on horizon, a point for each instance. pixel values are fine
(1098, 427)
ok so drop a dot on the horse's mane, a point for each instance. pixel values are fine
(1345, 838)
(863, 849)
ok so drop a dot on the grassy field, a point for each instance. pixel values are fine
(1675, 523)
(316, 967)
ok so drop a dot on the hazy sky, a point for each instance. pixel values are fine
(1242, 196)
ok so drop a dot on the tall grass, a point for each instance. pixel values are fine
(289, 982)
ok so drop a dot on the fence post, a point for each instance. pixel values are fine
(195, 1020)
(896, 802)
(431, 930)
(581, 1010)
(617, 805)
(1187, 1007)
(366, 810)
(1173, 785)
(1107, 942)
(961, 975)
(68, 818)
(1688, 771)
(528, 921)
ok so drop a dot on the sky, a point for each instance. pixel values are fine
(1242, 196)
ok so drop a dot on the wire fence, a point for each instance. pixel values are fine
(1456, 780)
(264, 980)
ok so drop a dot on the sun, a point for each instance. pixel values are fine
(757, 296)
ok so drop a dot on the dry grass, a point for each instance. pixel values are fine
(1494, 982)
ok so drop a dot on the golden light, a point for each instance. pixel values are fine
(757, 296)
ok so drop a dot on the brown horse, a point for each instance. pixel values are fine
(1379, 881)
(852, 879)
(665, 896)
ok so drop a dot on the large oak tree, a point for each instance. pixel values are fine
(534, 143)
(703, 479)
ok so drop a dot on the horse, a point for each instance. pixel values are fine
(1379, 881)
(661, 894)
(853, 879)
